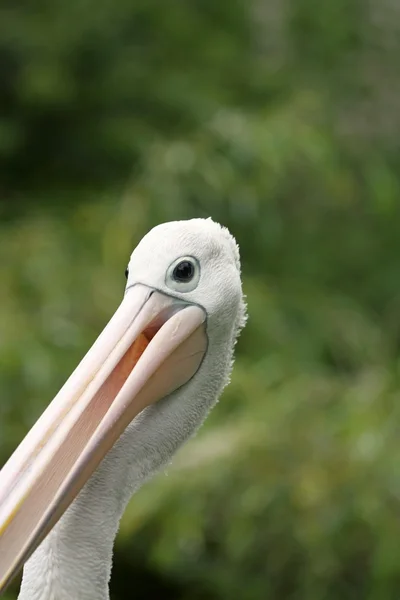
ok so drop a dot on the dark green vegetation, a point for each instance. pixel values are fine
(280, 120)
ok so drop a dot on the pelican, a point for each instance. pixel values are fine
(142, 390)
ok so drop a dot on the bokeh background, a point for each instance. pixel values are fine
(280, 119)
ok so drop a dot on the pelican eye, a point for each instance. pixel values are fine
(184, 271)
(126, 272)
(184, 274)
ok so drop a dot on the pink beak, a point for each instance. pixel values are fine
(153, 345)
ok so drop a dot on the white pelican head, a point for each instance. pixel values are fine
(142, 390)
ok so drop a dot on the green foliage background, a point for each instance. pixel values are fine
(279, 119)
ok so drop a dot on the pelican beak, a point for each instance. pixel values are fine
(153, 345)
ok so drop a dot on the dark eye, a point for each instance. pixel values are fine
(183, 275)
(184, 271)
(126, 272)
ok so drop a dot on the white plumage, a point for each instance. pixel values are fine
(74, 561)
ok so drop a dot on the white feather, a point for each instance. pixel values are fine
(74, 561)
